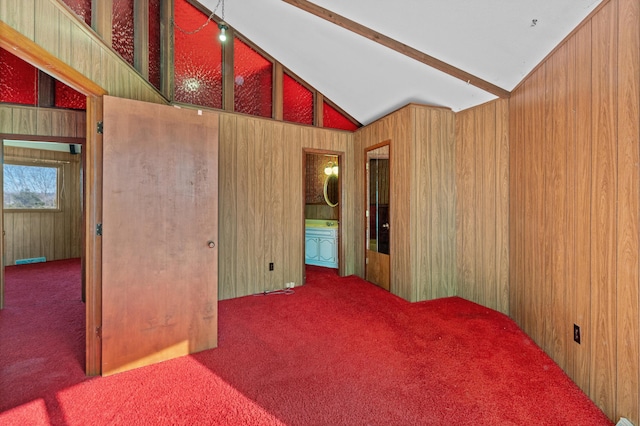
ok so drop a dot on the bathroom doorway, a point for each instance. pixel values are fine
(323, 208)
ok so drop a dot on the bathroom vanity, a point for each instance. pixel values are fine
(321, 242)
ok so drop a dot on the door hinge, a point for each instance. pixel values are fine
(99, 229)
(366, 261)
(99, 332)
(100, 127)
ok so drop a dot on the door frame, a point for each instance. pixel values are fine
(27, 50)
(341, 193)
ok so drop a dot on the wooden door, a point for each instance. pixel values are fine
(378, 249)
(160, 219)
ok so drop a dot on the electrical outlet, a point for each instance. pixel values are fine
(290, 285)
(576, 333)
(271, 266)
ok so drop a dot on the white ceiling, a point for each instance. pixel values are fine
(495, 40)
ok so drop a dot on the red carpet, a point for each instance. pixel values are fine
(338, 352)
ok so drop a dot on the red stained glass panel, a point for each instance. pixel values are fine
(253, 78)
(66, 97)
(18, 80)
(334, 119)
(154, 42)
(198, 58)
(82, 8)
(298, 102)
(122, 29)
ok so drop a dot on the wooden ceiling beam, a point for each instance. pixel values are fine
(399, 47)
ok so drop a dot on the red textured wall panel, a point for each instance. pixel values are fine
(253, 77)
(198, 58)
(18, 80)
(66, 97)
(154, 42)
(122, 29)
(298, 102)
(334, 119)
(82, 8)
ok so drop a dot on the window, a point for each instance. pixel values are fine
(31, 186)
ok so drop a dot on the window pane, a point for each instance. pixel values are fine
(66, 97)
(18, 80)
(333, 119)
(30, 187)
(298, 102)
(122, 29)
(198, 58)
(154, 42)
(82, 8)
(253, 78)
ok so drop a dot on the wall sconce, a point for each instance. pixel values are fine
(331, 169)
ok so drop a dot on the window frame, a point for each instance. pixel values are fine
(55, 164)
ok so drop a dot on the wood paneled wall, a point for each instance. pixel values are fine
(53, 27)
(24, 120)
(574, 202)
(482, 208)
(54, 235)
(423, 196)
(262, 199)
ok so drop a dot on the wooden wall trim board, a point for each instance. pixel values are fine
(575, 197)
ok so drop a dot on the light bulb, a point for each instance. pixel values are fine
(328, 170)
(223, 35)
(335, 170)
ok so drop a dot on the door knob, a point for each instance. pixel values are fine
(211, 244)
(385, 225)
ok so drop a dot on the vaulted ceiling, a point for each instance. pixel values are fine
(496, 41)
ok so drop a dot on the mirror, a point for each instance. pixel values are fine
(331, 195)
(378, 199)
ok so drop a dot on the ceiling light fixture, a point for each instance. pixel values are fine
(223, 29)
(222, 26)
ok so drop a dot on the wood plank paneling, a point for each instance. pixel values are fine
(603, 209)
(482, 208)
(628, 259)
(575, 136)
(262, 202)
(423, 237)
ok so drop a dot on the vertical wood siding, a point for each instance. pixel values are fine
(262, 201)
(482, 208)
(422, 202)
(574, 230)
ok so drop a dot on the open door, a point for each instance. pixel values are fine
(159, 233)
(378, 250)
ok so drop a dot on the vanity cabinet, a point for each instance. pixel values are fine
(321, 247)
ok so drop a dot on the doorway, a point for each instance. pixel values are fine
(42, 209)
(323, 209)
(378, 215)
